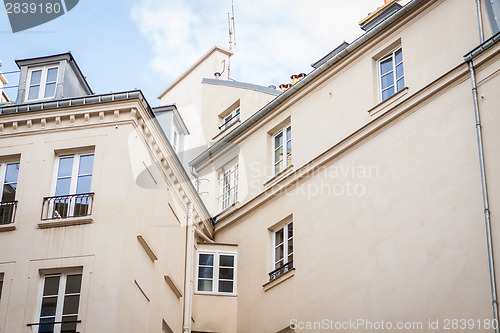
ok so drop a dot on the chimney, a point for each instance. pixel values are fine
(285, 86)
(295, 78)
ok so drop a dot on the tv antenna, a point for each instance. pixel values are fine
(230, 21)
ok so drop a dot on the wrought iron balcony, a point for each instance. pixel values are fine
(280, 270)
(65, 206)
(8, 212)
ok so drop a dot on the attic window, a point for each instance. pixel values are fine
(42, 83)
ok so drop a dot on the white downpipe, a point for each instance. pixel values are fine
(189, 282)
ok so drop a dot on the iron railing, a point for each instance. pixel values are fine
(67, 326)
(65, 206)
(280, 270)
(8, 212)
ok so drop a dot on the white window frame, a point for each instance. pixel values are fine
(3, 171)
(228, 187)
(175, 139)
(230, 119)
(391, 55)
(216, 267)
(60, 296)
(283, 146)
(43, 82)
(285, 242)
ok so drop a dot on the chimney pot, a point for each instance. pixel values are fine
(217, 75)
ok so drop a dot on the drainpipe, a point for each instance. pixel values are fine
(487, 221)
(479, 21)
(189, 283)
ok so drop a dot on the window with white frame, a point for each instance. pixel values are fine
(59, 302)
(282, 250)
(231, 118)
(175, 139)
(8, 172)
(42, 83)
(282, 149)
(216, 272)
(228, 186)
(72, 187)
(391, 74)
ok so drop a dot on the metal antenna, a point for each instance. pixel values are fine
(232, 35)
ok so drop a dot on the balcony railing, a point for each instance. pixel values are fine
(7, 212)
(65, 206)
(280, 270)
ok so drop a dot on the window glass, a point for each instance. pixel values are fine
(36, 77)
(391, 74)
(216, 272)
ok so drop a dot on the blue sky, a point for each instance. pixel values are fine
(146, 44)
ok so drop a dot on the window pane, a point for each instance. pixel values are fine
(278, 155)
(226, 273)
(71, 326)
(290, 247)
(226, 286)
(83, 184)
(386, 66)
(387, 93)
(278, 237)
(278, 167)
(205, 272)
(279, 264)
(51, 286)
(33, 93)
(206, 259)
(401, 84)
(399, 56)
(73, 284)
(1, 286)
(50, 90)
(47, 328)
(52, 75)
(204, 285)
(227, 261)
(49, 305)
(65, 166)
(86, 164)
(278, 253)
(71, 304)
(399, 71)
(288, 133)
(63, 186)
(36, 77)
(387, 80)
(11, 173)
(290, 258)
(278, 140)
(9, 192)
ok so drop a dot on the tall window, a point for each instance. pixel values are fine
(8, 174)
(282, 147)
(216, 272)
(228, 187)
(60, 302)
(42, 83)
(391, 74)
(72, 188)
(283, 251)
(1, 285)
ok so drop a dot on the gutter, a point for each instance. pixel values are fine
(305, 81)
(484, 186)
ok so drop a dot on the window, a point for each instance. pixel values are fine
(72, 189)
(228, 185)
(282, 141)
(282, 251)
(60, 300)
(230, 119)
(216, 272)
(42, 83)
(175, 140)
(8, 174)
(391, 74)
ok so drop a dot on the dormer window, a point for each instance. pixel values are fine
(231, 118)
(42, 83)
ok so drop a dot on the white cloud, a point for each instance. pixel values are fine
(274, 39)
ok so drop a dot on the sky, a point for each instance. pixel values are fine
(146, 44)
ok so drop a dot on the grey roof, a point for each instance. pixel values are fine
(330, 55)
(244, 85)
(381, 17)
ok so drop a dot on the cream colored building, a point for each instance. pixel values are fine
(363, 198)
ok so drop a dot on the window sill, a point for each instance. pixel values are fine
(7, 227)
(226, 130)
(385, 105)
(199, 293)
(279, 176)
(279, 279)
(66, 222)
